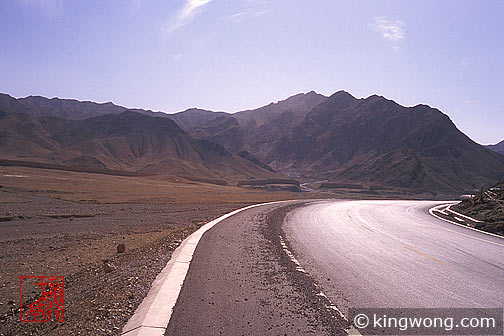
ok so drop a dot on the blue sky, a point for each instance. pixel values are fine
(232, 55)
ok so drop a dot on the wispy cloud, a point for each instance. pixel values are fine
(242, 15)
(186, 14)
(392, 31)
(49, 8)
(389, 30)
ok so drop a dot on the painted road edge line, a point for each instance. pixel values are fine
(152, 316)
(431, 211)
(448, 208)
(331, 306)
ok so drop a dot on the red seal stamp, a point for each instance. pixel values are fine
(51, 303)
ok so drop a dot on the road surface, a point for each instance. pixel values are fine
(395, 254)
(243, 281)
(240, 282)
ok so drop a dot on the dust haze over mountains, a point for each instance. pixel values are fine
(373, 141)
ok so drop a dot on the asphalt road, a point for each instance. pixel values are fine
(393, 254)
(243, 281)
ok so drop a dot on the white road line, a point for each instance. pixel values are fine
(431, 211)
(153, 315)
(291, 256)
(331, 306)
(461, 215)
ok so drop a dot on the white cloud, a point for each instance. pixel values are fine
(186, 14)
(390, 30)
(240, 16)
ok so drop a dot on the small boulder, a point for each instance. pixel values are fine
(121, 248)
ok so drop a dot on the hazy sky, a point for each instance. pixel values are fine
(231, 55)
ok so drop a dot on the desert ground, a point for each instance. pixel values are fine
(62, 223)
(59, 223)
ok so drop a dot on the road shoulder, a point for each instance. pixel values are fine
(241, 282)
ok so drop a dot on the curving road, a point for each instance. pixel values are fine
(395, 254)
(252, 275)
(240, 282)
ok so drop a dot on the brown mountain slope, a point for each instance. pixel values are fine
(22, 135)
(127, 141)
(372, 141)
(298, 106)
(221, 128)
(192, 119)
(375, 141)
(69, 109)
(255, 130)
(499, 147)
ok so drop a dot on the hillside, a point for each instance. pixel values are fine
(69, 109)
(127, 141)
(377, 142)
(488, 207)
(499, 147)
(371, 142)
(254, 131)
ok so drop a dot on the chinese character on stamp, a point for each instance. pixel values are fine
(49, 305)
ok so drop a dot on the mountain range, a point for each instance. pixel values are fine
(114, 139)
(371, 142)
(499, 147)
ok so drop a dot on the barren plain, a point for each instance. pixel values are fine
(59, 223)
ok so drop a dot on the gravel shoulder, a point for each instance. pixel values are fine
(54, 237)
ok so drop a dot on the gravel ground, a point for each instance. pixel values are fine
(490, 210)
(44, 236)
